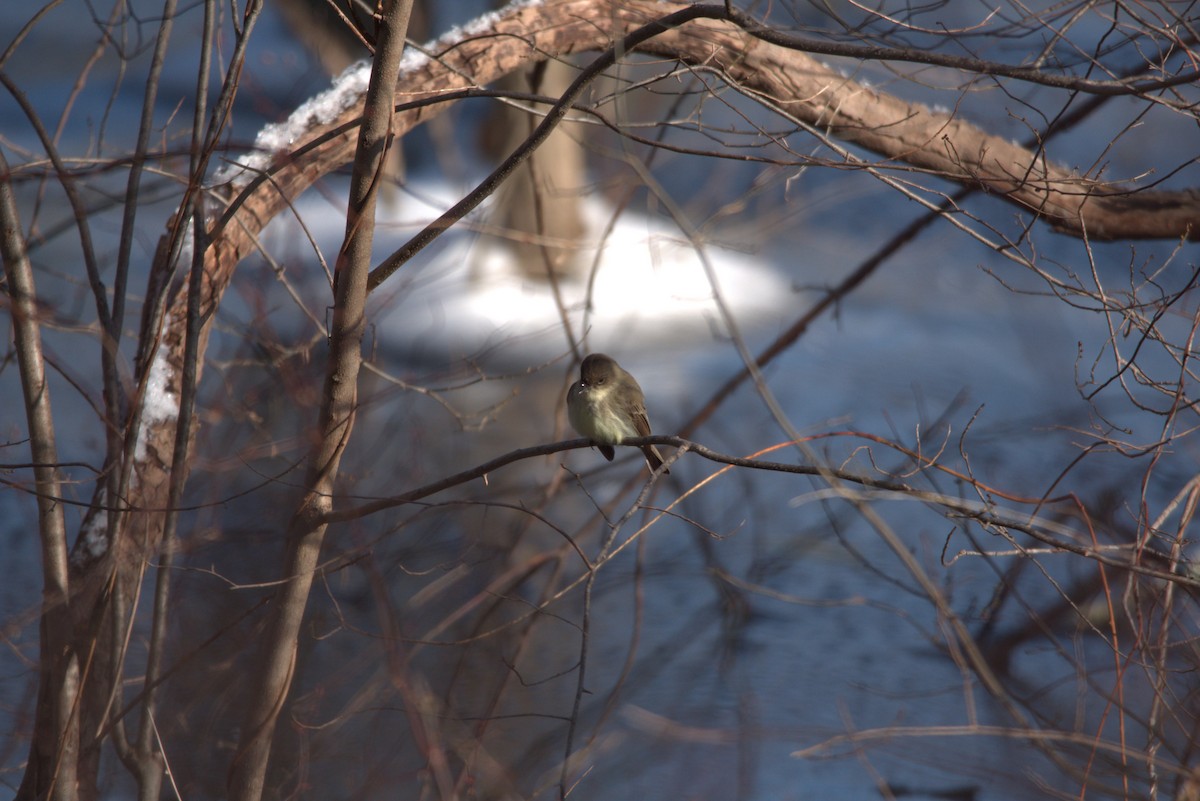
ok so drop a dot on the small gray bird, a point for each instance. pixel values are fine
(606, 405)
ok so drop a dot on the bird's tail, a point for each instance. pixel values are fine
(653, 458)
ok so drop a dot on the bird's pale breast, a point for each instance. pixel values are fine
(595, 419)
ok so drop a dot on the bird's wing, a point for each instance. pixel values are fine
(640, 422)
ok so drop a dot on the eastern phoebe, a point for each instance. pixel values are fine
(606, 405)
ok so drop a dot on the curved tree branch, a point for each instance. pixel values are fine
(909, 133)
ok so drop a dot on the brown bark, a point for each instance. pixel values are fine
(939, 142)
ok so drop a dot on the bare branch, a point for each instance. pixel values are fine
(339, 400)
(50, 771)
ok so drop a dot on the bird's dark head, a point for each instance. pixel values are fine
(597, 370)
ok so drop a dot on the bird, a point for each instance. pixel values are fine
(606, 405)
